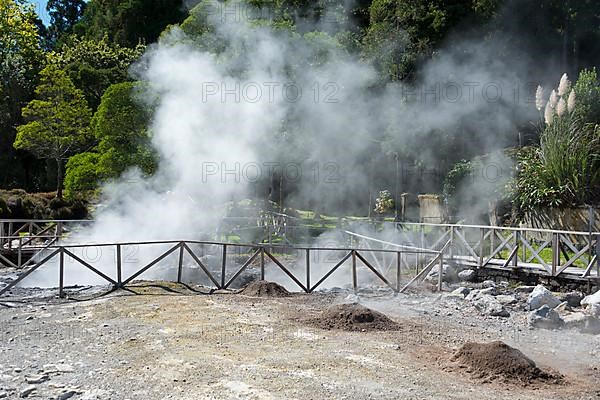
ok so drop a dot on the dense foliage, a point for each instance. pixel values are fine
(83, 61)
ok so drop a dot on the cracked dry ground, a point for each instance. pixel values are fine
(164, 345)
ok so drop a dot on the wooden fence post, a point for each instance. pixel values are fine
(481, 246)
(354, 277)
(180, 266)
(515, 259)
(398, 270)
(308, 270)
(119, 267)
(223, 264)
(61, 273)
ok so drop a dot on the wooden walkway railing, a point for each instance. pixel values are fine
(554, 253)
(263, 255)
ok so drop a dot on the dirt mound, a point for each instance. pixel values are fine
(354, 317)
(498, 361)
(264, 289)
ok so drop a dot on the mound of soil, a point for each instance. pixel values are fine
(498, 361)
(264, 289)
(354, 317)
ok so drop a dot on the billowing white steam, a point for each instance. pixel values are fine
(220, 113)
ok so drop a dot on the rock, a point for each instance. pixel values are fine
(541, 296)
(563, 308)
(66, 395)
(582, 322)
(468, 275)
(36, 379)
(27, 391)
(463, 291)
(488, 305)
(593, 309)
(352, 298)
(544, 317)
(488, 284)
(591, 299)
(506, 299)
(3, 395)
(472, 295)
(572, 298)
(96, 394)
(524, 289)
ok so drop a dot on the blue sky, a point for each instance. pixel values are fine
(40, 8)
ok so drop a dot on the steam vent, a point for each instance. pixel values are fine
(235, 199)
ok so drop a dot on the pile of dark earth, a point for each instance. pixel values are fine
(497, 361)
(264, 289)
(353, 317)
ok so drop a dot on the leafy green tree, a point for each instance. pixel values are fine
(94, 65)
(401, 33)
(21, 58)
(64, 14)
(57, 121)
(121, 128)
(130, 22)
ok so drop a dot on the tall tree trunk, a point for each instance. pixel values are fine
(59, 178)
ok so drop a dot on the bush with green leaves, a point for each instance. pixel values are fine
(564, 171)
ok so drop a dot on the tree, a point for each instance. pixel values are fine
(57, 121)
(20, 59)
(64, 14)
(130, 22)
(121, 128)
(94, 65)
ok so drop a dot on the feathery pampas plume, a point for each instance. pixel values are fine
(539, 98)
(571, 101)
(549, 114)
(561, 107)
(564, 86)
(553, 99)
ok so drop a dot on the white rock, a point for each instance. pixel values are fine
(540, 297)
(506, 299)
(544, 317)
(488, 305)
(488, 284)
(468, 275)
(27, 391)
(591, 299)
(463, 291)
(96, 394)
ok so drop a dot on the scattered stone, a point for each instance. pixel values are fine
(66, 395)
(3, 394)
(27, 391)
(582, 322)
(572, 298)
(545, 318)
(488, 305)
(591, 304)
(472, 294)
(462, 291)
(468, 275)
(352, 298)
(488, 284)
(563, 308)
(96, 394)
(36, 379)
(541, 296)
(497, 360)
(506, 299)
(524, 289)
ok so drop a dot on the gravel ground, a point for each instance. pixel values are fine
(164, 341)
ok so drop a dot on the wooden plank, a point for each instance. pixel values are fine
(29, 271)
(331, 271)
(88, 266)
(201, 265)
(288, 273)
(242, 268)
(147, 267)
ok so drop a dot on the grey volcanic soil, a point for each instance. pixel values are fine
(169, 342)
